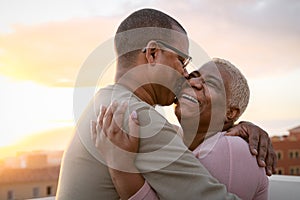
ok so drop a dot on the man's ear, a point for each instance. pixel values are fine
(232, 114)
(151, 52)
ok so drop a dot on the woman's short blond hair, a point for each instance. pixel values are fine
(239, 89)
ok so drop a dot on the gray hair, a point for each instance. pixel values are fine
(239, 89)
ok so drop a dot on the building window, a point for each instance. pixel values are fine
(35, 192)
(291, 154)
(297, 171)
(279, 155)
(49, 190)
(292, 171)
(294, 154)
(10, 195)
(280, 171)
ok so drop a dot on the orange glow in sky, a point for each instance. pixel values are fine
(41, 53)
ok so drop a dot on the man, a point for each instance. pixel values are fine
(152, 50)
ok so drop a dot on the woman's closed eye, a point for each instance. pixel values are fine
(213, 83)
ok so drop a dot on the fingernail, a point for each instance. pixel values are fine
(134, 115)
(263, 163)
(254, 151)
(91, 124)
(269, 172)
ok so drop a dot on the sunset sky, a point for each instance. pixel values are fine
(43, 45)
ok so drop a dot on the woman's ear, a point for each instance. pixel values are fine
(151, 52)
(232, 114)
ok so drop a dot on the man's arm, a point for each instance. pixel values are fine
(259, 144)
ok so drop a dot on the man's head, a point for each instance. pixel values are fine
(155, 41)
(220, 93)
(139, 28)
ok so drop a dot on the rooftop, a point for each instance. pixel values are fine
(281, 187)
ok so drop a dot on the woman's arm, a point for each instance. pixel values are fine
(119, 150)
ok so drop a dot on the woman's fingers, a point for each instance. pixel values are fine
(107, 118)
(133, 125)
(93, 125)
(109, 128)
(118, 118)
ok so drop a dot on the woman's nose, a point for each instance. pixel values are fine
(196, 83)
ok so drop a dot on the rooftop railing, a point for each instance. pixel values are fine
(280, 187)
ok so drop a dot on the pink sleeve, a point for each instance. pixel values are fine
(145, 193)
(231, 162)
(263, 190)
(247, 179)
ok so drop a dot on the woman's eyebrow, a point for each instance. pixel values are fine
(195, 74)
(216, 79)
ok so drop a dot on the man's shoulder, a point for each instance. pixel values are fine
(118, 93)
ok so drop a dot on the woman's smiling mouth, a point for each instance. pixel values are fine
(190, 98)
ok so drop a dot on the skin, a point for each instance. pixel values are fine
(207, 89)
(156, 65)
(211, 92)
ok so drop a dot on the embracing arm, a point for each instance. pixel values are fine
(259, 144)
(111, 134)
(172, 171)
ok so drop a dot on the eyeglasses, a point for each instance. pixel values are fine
(185, 59)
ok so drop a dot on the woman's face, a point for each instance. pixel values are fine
(205, 97)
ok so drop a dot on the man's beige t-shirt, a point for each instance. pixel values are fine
(163, 159)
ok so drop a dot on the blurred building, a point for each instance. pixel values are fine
(288, 152)
(34, 159)
(24, 183)
(30, 175)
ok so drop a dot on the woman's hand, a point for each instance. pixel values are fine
(259, 144)
(117, 147)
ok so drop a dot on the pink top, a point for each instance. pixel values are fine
(146, 193)
(229, 160)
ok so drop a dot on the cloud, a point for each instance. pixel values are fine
(266, 15)
(52, 53)
(261, 37)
